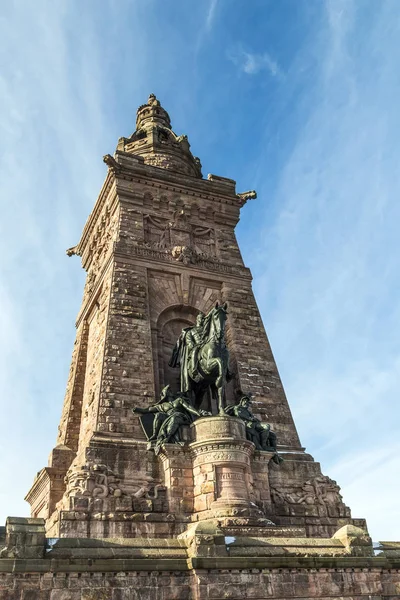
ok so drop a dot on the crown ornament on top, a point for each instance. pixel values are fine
(152, 112)
(157, 143)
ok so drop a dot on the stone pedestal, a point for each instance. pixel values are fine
(223, 481)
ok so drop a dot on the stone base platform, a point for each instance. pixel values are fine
(205, 562)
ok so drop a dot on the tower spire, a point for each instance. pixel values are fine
(157, 143)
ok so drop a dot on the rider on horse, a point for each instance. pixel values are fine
(186, 351)
(203, 357)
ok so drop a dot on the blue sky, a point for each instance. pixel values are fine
(295, 98)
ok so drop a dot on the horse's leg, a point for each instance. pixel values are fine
(220, 400)
(220, 385)
(215, 365)
(215, 368)
(193, 396)
(217, 393)
(214, 399)
(198, 391)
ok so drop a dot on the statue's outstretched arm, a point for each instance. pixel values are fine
(144, 411)
(190, 408)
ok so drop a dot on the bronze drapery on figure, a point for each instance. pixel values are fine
(256, 431)
(186, 350)
(162, 421)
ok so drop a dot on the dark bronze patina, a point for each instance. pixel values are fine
(203, 357)
(162, 421)
(256, 431)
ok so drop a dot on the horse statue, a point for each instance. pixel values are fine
(203, 357)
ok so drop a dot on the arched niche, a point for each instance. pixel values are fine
(168, 329)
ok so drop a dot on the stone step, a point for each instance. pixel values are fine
(81, 542)
(282, 546)
(268, 531)
(85, 548)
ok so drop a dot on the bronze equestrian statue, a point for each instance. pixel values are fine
(203, 357)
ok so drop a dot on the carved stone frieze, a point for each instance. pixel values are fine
(320, 490)
(222, 456)
(98, 481)
(146, 250)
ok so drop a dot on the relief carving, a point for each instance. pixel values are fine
(98, 481)
(180, 239)
(221, 456)
(321, 491)
(101, 238)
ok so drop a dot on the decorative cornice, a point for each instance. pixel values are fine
(175, 185)
(214, 188)
(23, 568)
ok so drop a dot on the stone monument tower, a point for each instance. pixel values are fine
(177, 452)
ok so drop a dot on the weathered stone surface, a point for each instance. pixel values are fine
(24, 538)
(356, 541)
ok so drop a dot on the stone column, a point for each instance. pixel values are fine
(221, 467)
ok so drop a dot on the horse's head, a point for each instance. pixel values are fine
(218, 319)
(223, 307)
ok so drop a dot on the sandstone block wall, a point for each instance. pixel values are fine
(326, 583)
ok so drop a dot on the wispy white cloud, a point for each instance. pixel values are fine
(211, 14)
(252, 63)
(206, 26)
